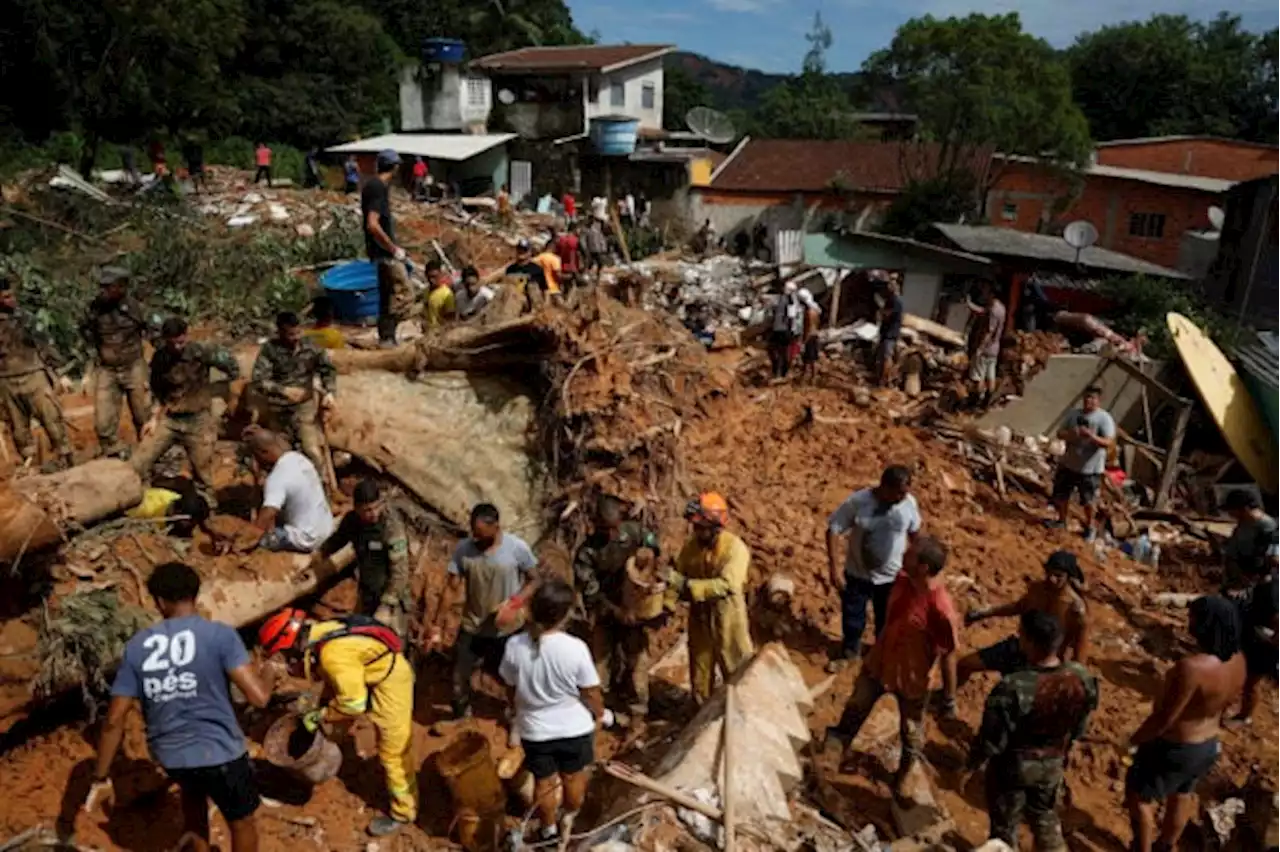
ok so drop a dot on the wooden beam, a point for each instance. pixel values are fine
(1169, 474)
(1148, 381)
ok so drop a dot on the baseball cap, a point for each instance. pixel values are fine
(387, 158)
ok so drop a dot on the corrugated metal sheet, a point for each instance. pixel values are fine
(521, 179)
(1261, 357)
(788, 247)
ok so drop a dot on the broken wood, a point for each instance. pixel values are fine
(636, 778)
(726, 786)
(36, 512)
(1168, 474)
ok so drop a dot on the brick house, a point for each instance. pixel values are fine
(1202, 156)
(1137, 212)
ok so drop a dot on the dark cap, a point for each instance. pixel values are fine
(109, 275)
(523, 245)
(1064, 562)
(387, 159)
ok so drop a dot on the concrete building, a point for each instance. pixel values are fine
(444, 98)
(1201, 156)
(1242, 279)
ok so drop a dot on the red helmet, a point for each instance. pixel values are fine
(280, 631)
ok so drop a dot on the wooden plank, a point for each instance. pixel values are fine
(726, 792)
(1149, 382)
(1169, 473)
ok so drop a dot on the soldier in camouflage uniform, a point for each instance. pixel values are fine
(114, 328)
(180, 386)
(285, 376)
(377, 532)
(25, 387)
(1031, 719)
(620, 645)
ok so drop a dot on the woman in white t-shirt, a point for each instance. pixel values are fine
(558, 703)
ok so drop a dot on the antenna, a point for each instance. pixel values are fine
(1216, 217)
(1080, 235)
(713, 126)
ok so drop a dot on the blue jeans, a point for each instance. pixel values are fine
(853, 611)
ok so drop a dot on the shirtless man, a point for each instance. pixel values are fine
(1057, 594)
(1178, 743)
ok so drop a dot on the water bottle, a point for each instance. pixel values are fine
(1155, 556)
(1142, 549)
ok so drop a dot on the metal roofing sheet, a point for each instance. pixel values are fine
(989, 240)
(436, 146)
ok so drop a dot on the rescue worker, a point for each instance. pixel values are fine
(114, 328)
(285, 376)
(25, 384)
(182, 415)
(365, 673)
(377, 532)
(1058, 594)
(711, 574)
(620, 644)
(1031, 719)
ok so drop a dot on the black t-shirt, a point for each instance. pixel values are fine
(531, 271)
(891, 327)
(376, 198)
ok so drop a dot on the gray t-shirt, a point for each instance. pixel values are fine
(491, 578)
(1083, 455)
(1251, 545)
(995, 328)
(178, 670)
(878, 537)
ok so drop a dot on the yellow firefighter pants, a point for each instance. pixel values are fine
(391, 711)
(718, 639)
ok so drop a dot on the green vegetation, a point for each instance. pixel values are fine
(1142, 304)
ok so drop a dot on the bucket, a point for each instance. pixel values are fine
(518, 780)
(353, 287)
(642, 596)
(317, 760)
(472, 776)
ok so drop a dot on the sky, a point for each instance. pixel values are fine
(769, 34)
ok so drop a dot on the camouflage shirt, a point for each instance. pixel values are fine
(599, 562)
(1036, 713)
(180, 382)
(19, 352)
(382, 555)
(115, 330)
(279, 367)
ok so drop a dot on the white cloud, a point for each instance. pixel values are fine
(748, 6)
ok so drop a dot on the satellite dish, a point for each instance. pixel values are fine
(711, 125)
(1216, 217)
(1080, 235)
(506, 96)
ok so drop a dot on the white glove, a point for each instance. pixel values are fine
(608, 719)
(399, 254)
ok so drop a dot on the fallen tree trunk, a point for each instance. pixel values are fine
(36, 511)
(463, 347)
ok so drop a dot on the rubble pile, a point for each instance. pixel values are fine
(734, 292)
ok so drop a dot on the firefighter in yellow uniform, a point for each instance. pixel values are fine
(366, 674)
(711, 574)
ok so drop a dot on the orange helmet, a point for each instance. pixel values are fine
(280, 631)
(709, 508)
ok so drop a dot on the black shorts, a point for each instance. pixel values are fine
(1161, 769)
(810, 355)
(1005, 656)
(559, 757)
(230, 786)
(1086, 485)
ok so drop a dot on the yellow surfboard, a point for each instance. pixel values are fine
(1227, 400)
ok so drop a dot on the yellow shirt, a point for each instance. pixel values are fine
(155, 504)
(352, 666)
(717, 573)
(328, 337)
(551, 266)
(440, 303)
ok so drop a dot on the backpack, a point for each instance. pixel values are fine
(363, 625)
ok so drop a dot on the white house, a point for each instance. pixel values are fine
(538, 92)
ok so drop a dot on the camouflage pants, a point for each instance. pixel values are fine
(301, 425)
(197, 434)
(31, 395)
(867, 690)
(111, 386)
(622, 656)
(1031, 787)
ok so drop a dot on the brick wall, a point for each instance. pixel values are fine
(1028, 197)
(1216, 158)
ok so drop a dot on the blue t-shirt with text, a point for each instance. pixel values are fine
(178, 670)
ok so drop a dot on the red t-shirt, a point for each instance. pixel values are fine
(567, 248)
(263, 154)
(570, 205)
(420, 169)
(920, 627)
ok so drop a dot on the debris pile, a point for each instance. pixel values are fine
(732, 291)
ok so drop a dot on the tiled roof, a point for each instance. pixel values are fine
(587, 57)
(812, 165)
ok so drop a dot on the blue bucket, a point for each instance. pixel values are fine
(443, 49)
(353, 287)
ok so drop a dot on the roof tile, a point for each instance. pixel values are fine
(587, 57)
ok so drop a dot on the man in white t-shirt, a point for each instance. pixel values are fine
(295, 513)
(558, 702)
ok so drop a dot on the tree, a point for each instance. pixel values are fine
(813, 105)
(980, 84)
(1172, 75)
(489, 26)
(680, 93)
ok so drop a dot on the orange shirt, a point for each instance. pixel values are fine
(921, 626)
(551, 266)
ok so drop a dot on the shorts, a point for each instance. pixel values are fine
(810, 354)
(1005, 656)
(1086, 485)
(559, 757)
(1161, 769)
(230, 786)
(885, 349)
(982, 368)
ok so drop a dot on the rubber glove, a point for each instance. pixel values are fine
(312, 719)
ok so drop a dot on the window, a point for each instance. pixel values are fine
(1146, 225)
(1009, 213)
(648, 96)
(476, 91)
(617, 95)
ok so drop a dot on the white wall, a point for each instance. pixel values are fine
(443, 100)
(920, 293)
(412, 108)
(633, 79)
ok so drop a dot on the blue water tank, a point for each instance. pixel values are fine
(444, 50)
(353, 287)
(614, 135)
